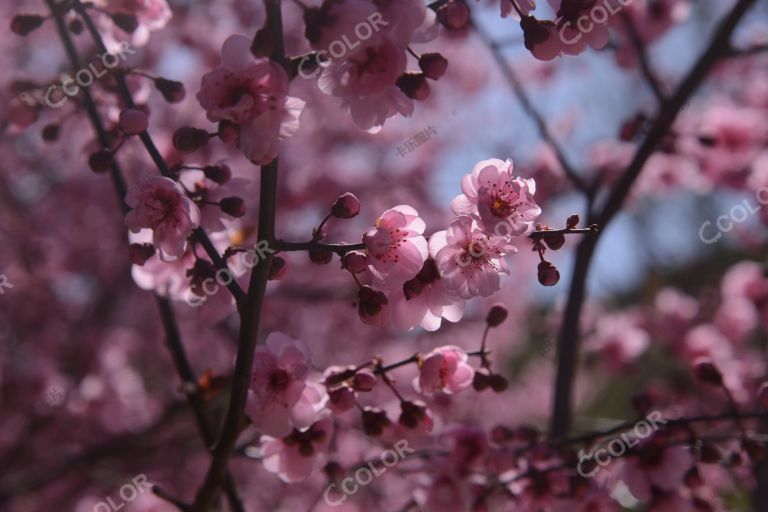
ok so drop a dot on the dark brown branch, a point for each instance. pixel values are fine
(568, 338)
(251, 311)
(125, 93)
(642, 58)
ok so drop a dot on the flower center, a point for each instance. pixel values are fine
(279, 380)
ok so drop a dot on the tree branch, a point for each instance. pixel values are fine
(568, 338)
(250, 312)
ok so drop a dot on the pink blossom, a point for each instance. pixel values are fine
(574, 14)
(444, 369)
(209, 194)
(619, 340)
(294, 457)
(364, 76)
(503, 203)
(396, 247)
(657, 466)
(253, 94)
(469, 260)
(424, 301)
(280, 399)
(160, 204)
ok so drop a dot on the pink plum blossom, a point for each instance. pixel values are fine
(396, 247)
(253, 94)
(424, 301)
(160, 204)
(294, 457)
(444, 369)
(470, 261)
(279, 398)
(655, 466)
(503, 203)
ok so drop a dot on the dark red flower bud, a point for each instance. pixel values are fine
(413, 413)
(172, 91)
(498, 383)
(573, 221)
(229, 132)
(454, 15)
(277, 268)
(433, 65)
(23, 24)
(201, 271)
(354, 261)
(496, 315)
(233, 206)
(414, 85)
(100, 161)
(346, 206)
(374, 421)
(548, 274)
(501, 434)
(50, 132)
(188, 138)
(128, 22)
(334, 471)
(709, 453)
(217, 173)
(371, 303)
(642, 402)
(263, 43)
(133, 121)
(755, 450)
(140, 253)
(482, 379)
(320, 257)
(553, 240)
(706, 371)
(364, 381)
(76, 26)
(692, 478)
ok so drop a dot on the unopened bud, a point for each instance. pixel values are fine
(496, 315)
(572, 222)
(140, 253)
(277, 268)
(23, 24)
(188, 138)
(433, 65)
(217, 173)
(364, 381)
(233, 206)
(172, 91)
(548, 274)
(100, 161)
(706, 371)
(454, 15)
(128, 22)
(133, 121)
(320, 257)
(346, 206)
(414, 85)
(354, 261)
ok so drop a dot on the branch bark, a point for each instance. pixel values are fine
(251, 310)
(568, 338)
